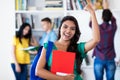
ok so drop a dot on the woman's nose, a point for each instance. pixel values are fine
(68, 30)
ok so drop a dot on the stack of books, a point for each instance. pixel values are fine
(53, 5)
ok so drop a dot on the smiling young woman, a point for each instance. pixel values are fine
(68, 36)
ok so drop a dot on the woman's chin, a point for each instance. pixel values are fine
(66, 39)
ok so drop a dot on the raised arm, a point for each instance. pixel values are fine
(105, 4)
(95, 29)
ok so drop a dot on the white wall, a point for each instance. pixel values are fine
(114, 4)
(6, 32)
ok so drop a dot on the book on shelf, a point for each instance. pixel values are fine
(21, 4)
(68, 4)
(77, 4)
(73, 4)
(25, 18)
(35, 20)
(18, 20)
(83, 3)
(31, 4)
(56, 22)
(32, 22)
(53, 5)
(16, 5)
(53, 2)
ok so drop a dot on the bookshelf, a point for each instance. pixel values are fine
(32, 11)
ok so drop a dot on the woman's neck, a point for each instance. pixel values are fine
(64, 43)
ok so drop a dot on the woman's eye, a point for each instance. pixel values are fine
(65, 26)
(72, 28)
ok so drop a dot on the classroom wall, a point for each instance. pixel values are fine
(114, 4)
(7, 32)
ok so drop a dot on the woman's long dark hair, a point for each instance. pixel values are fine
(73, 43)
(19, 34)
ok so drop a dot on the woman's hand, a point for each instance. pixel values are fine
(89, 8)
(105, 4)
(17, 68)
(33, 52)
(69, 77)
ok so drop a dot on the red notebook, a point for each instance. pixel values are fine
(62, 62)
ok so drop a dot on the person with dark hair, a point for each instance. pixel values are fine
(104, 52)
(49, 34)
(68, 36)
(21, 58)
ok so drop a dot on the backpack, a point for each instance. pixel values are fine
(33, 66)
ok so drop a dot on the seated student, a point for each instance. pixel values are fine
(49, 34)
(68, 36)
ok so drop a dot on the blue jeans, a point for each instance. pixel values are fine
(104, 65)
(23, 74)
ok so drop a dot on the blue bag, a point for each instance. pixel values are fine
(33, 67)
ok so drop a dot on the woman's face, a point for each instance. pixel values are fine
(68, 29)
(26, 30)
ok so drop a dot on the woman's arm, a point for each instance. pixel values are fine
(17, 67)
(42, 72)
(105, 4)
(95, 29)
(34, 41)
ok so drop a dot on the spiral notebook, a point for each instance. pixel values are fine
(62, 62)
